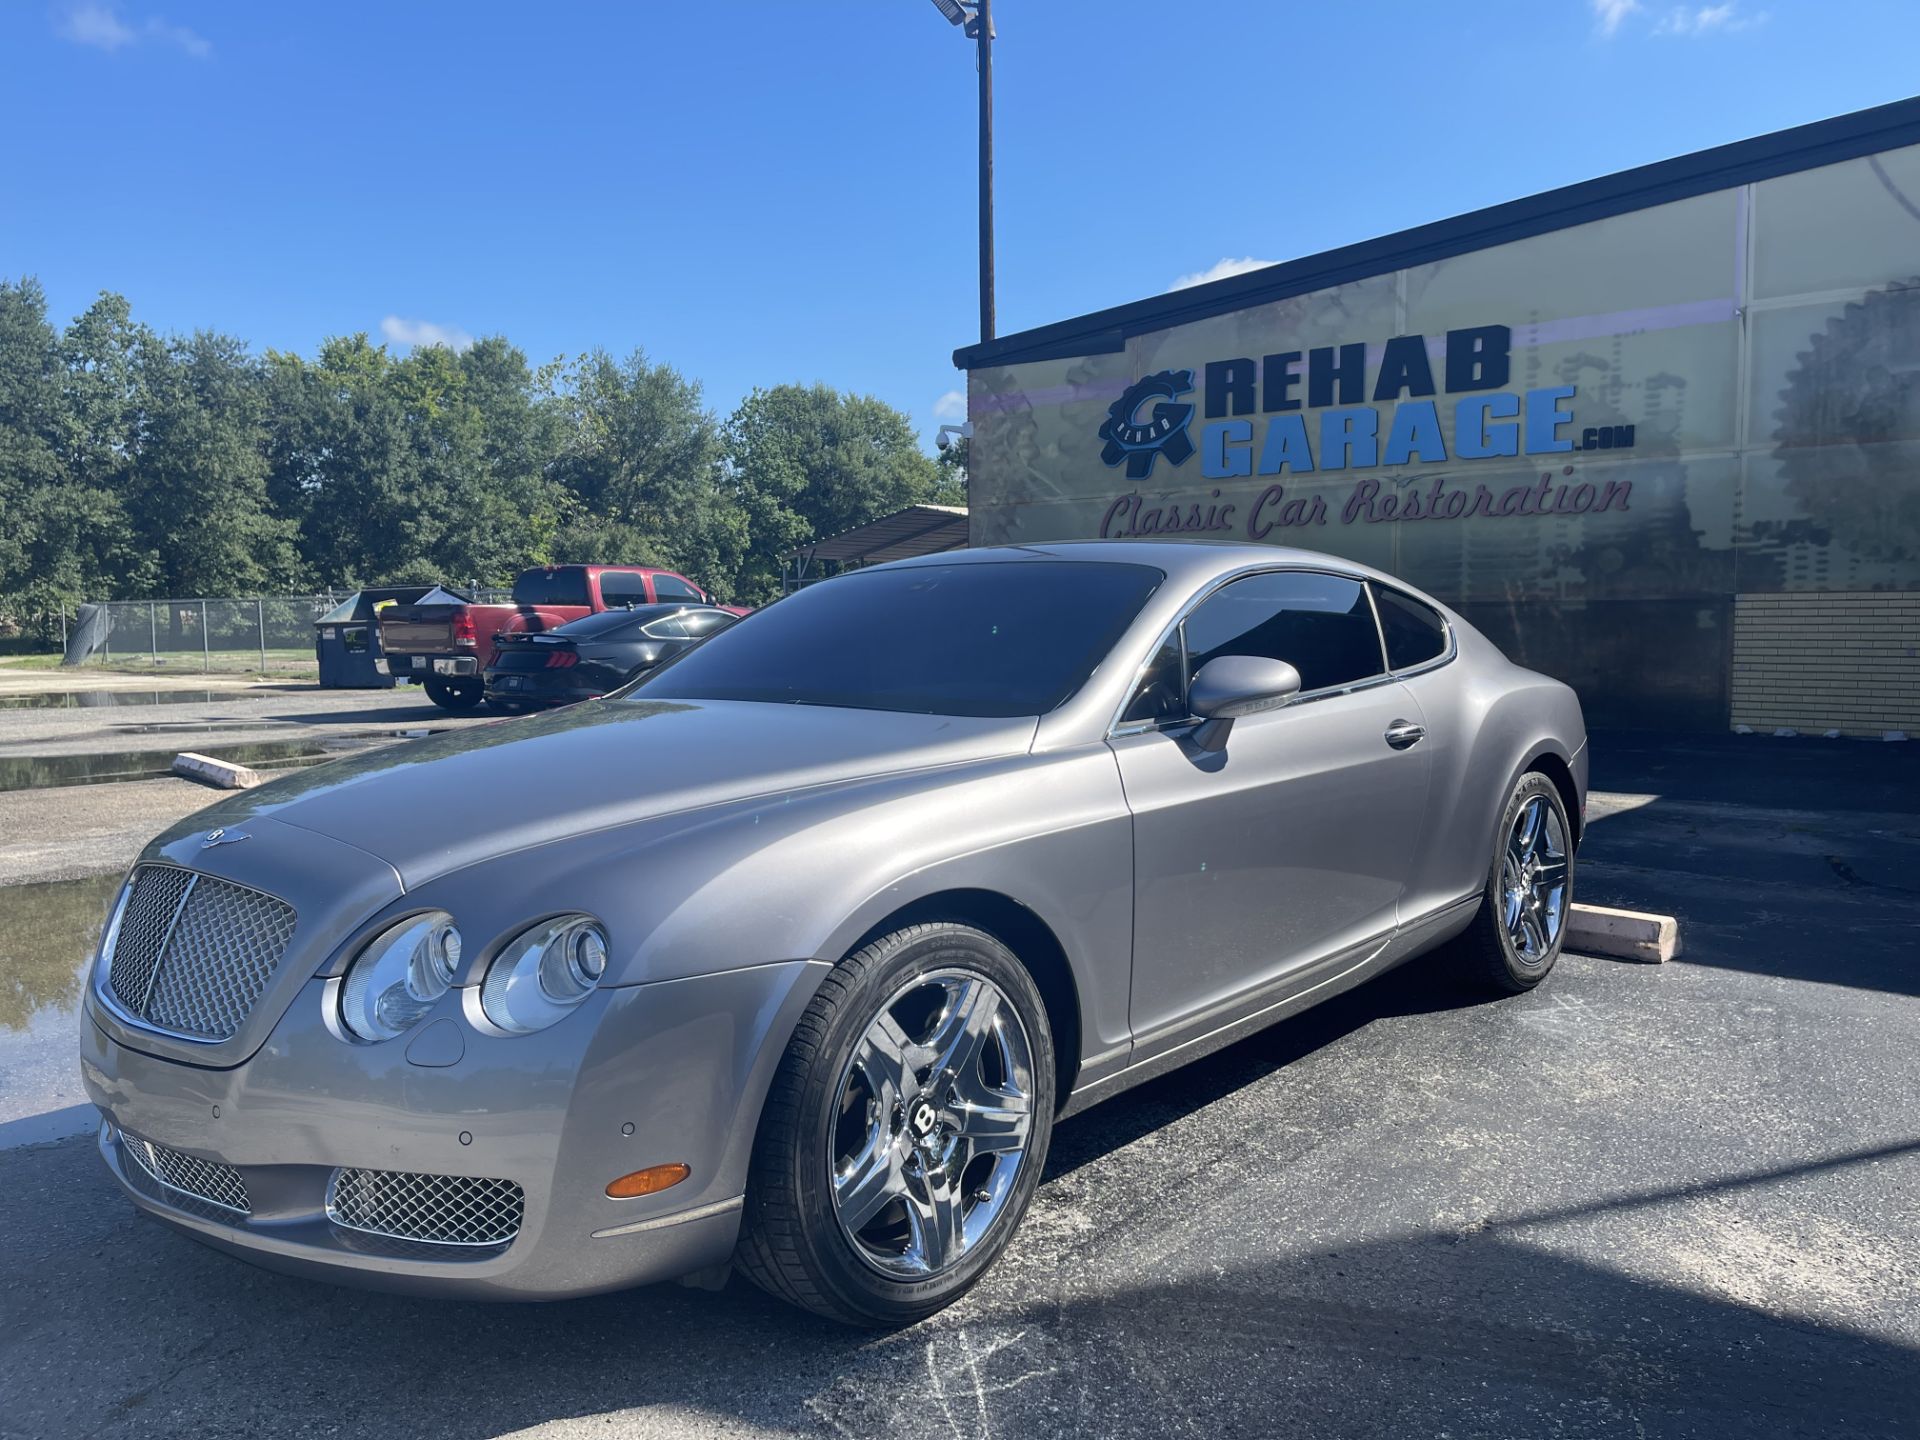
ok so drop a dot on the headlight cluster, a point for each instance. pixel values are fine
(539, 976)
(544, 973)
(397, 978)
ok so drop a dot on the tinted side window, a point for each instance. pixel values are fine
(673, 627)
(1322, 625)
(705, 622)
(551, 587)
(1162, 693)
(1415, 632)
(622, 587)
(672, 587)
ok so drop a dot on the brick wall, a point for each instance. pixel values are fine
(1836, 660)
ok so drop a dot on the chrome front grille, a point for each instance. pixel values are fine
(439, 1209)
(206, 1180)
(192, 953)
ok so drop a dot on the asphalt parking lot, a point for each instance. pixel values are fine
(78, 752)
(1657, 1200)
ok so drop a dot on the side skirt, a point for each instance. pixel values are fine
(1287, 996)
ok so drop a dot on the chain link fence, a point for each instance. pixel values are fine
(268, 634)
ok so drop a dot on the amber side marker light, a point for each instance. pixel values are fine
(650, 1181)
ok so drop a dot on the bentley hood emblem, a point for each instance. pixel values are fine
(223, 837)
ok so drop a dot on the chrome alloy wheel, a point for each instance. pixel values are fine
(1533, 880)
(933, 1113)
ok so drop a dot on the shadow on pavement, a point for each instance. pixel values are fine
(1796, 858)
(115, 1324)
(1410, 990)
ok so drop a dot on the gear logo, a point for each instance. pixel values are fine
(1139, 442)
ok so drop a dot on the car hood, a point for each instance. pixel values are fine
(430, 806)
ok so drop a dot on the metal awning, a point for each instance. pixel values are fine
(916, 530)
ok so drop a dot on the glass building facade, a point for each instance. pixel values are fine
(1658, 434)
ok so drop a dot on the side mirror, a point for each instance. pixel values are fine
(1234, 685)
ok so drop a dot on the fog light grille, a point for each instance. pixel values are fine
(437, 1209)
(207, 1180)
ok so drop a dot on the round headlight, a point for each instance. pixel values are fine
(397, 978)
(544, 972)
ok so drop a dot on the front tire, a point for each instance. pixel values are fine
(904, 1132)
(1514, 940)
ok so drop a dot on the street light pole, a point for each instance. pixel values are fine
(975, 17)
(982, 24)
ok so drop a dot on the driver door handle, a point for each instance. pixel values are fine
(1403, 734)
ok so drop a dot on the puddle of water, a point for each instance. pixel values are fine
(90, 699)
(48, 934)
(199, 727)
(42, 772)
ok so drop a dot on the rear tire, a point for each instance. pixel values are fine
(1516, 936)
(454, 695)
(905, 1130)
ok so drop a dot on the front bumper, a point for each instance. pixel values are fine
(641, 1075)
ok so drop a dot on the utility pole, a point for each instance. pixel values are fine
(982, 26)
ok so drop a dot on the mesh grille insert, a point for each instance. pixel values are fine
(441, 1209)
(193, 953)
(207, 1180)
(151, 905)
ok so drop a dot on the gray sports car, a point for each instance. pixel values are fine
(787, 958)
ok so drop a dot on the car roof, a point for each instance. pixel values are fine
(597, 569)
(1182, 560)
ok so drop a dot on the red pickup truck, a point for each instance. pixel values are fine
(447, 647)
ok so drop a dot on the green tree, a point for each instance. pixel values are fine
(68, 420)
(29, 422)
(807, 461)
(515, 420)
(953, 463)
(344, 465)
(641, 472)
(198, 495)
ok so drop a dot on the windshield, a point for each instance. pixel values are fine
(993, 639)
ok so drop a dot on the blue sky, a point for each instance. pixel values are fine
(760, 192)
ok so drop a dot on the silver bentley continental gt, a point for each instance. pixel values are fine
(787, 958)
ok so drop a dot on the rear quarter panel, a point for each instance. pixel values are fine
(1489, 721)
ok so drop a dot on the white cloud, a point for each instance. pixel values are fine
(96, 25)
(1609, 15)
(1706, 19)
(195, 45)
(100, 26)
(421, 333)
(1220, 270)
(951, 407)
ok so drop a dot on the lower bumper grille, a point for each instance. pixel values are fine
(437, 1209)
(206, 1180)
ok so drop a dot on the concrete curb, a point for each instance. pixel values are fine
(1622, 934)
(222, 774)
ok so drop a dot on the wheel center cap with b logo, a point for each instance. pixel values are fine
(922, 1118)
